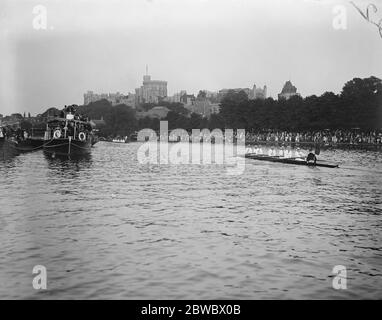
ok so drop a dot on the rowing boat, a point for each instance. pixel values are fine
(297, 161)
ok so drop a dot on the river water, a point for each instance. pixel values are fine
(109, 227)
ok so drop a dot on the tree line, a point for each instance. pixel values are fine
(359, 105)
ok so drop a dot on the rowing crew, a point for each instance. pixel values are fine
(311, 158)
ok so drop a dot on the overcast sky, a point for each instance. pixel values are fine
(104, 46)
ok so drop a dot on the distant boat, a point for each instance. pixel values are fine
(19, 141)
(119, 140)
(69, 135)
(2, 140)
(2, 135)
(132, 137)
(174, 139)
(6, 151)
(26, 145)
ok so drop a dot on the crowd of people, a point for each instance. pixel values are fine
(15, 133)
(324, 137)
(321, 137)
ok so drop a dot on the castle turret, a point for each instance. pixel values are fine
(289, 90)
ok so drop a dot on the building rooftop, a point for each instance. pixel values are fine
(289, 88)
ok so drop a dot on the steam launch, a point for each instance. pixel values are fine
(68, 135)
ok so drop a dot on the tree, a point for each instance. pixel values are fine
(25, 125)
(216, 121)
(202, 94)
(195, 121)
(233, 108)
(120, 119)
(147, 106)
(362, 88)
(362, 99)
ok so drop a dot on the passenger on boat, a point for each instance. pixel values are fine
(298, 153)
(19, 134)
(311, 158)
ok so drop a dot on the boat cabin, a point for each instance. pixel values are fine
(68, 126)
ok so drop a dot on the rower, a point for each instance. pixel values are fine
(311, 158)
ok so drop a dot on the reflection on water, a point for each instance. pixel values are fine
(68, 163)
(7, 153)
(109, 227)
